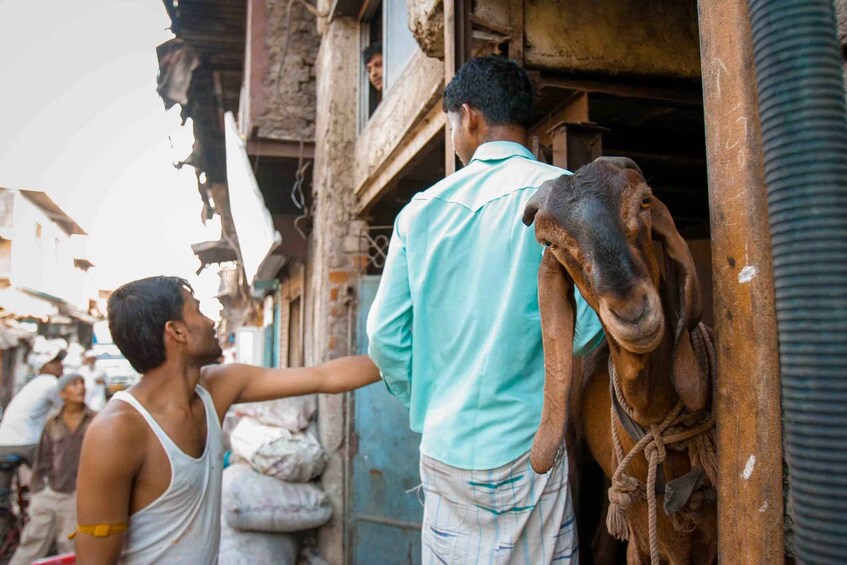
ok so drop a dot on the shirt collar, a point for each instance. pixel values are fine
(499, 150)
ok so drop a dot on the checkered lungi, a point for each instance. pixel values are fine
(509, 515)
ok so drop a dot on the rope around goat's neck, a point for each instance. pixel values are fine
(626, 489)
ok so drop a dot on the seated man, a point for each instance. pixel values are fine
(151, 467)
(52, 508)
(23, 420)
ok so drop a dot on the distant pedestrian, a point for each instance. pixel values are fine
(24, 418)
(52, 508)
(151, 467)
(95, 381)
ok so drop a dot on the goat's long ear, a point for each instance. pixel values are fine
(684, 302)
(555, 298)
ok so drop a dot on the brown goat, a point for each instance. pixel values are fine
(600, 226)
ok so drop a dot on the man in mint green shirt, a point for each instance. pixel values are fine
(456, 333)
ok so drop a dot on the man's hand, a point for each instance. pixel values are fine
(232, 384)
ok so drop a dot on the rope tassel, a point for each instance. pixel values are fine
(624, 491)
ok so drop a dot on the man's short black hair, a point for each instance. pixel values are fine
(138, 312)
(371, 50)
(495, 86)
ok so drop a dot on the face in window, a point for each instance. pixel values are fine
(374, 67)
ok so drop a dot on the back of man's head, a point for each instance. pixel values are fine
(138, 312)
(496, 86)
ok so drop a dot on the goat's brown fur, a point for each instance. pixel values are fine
(600, 226)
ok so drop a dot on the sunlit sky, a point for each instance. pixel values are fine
(80, 119)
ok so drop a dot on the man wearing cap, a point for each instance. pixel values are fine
(52, 509)
(95, 382)
(24, 418)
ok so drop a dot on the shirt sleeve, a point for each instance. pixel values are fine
(389, 325)
(42, 461)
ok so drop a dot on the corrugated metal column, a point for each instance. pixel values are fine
(747, 404)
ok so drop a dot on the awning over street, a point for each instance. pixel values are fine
(18, 304)
(257, 237)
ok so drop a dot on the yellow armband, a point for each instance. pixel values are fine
(100, 530)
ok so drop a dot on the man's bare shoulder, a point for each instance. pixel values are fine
(118, 426)
(212, 376)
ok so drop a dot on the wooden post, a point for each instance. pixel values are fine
(747, 403)
(516, 44)
(457, 37)
(449, 73)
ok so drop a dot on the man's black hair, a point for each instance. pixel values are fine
(495, 86)
(138, 312)
(371, 50)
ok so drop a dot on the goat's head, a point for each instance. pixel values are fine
(600, 224)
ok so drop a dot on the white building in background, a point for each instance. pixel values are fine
(39, 250)
(45, 284)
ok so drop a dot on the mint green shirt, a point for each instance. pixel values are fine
(455, 328)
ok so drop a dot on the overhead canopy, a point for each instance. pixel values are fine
(19, 304)
(257, 237)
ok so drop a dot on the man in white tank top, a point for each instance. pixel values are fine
(149, 486)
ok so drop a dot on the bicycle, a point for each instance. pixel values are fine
(13, 507)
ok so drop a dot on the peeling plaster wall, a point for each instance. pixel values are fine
(332, 265)
(289, 109)
(426, 21)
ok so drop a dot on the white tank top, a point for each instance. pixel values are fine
(183, 525)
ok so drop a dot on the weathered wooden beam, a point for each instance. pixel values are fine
(679, 95)
(516, 45)
(573, 110)
(402, 158)
(747, 400)
(278, 148)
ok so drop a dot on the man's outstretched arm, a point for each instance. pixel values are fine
(390, 320)
(231, 384)
(111, 458)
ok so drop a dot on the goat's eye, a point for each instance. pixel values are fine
(645, 202)
(547, 243)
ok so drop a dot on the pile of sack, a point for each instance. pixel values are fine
(268, 489)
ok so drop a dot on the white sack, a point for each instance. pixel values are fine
(256, 548)
(252, 501)
(277, 452)
(293, 413)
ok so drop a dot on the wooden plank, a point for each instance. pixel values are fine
(450, 67)
(516, 45)
(280, 148)
(679, 95)
(747, 400)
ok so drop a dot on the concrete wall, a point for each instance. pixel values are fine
(332, 264)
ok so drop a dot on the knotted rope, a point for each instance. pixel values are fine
(671, 431)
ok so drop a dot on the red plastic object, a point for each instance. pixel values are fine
(63, 559)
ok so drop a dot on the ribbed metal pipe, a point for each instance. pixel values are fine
(804, 133)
